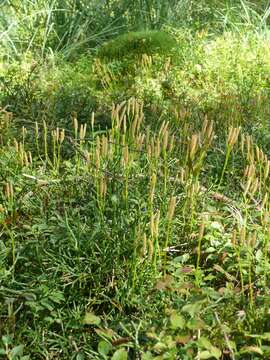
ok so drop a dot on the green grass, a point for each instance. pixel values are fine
(134, 202)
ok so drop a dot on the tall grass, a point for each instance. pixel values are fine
(45, 27)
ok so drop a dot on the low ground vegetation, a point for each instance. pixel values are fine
(134, 211)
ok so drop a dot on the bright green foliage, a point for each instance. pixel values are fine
(136, 44)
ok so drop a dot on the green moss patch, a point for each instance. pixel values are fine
(138, 43)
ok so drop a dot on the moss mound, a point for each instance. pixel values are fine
(137, 43)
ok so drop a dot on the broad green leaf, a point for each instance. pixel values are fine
(177, 321)
(17, 351)
(232, 344)
(192, 309)
(147, 356)
(216, 353)
(210, 249)
(216, 225)
(195, 324)
(259, 255)
(57, 297)
(104, 347)
(80, 356)
(108, 333)
(204, 343)
(160, 346)
(212, 352)
(47, 304)
(30, 296)
(205, 355)
(120, 354)
(266, 336)
(91, 319)
(6, 339)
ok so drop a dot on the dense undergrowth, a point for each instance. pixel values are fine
(134, 203)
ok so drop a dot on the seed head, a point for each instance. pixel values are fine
(171, 208)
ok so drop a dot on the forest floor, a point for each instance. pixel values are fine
(135, 207)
